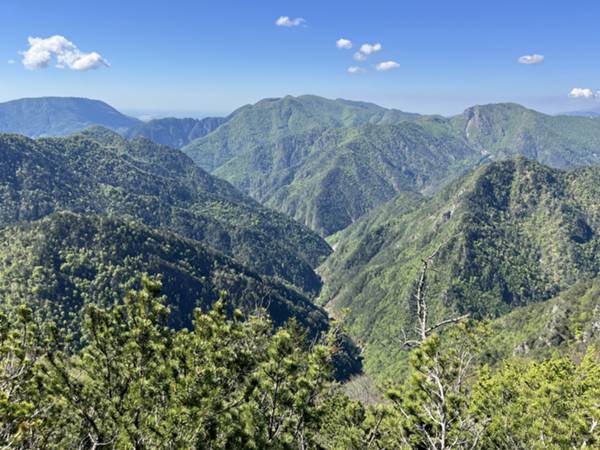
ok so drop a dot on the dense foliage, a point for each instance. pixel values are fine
(62, 263)
(328, 162)
(99, 172)
(477, 309)
(232, 383)
(511, 234)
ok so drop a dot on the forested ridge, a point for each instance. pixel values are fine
(100, 172)
(148, 303)
(511, 234)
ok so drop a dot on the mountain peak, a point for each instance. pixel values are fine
(59, 116)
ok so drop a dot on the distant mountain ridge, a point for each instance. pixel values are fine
(327, 162)
(175, 132)
(59, 116)
(253, 126)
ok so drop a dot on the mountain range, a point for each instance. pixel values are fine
(100, 172)
(503, 199)
(327, 162)
(513, 233)
(59, 116)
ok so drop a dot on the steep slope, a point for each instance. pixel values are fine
(327, 162)
(567, 324)
(175, 132)
(66, 260)
(253, 127)
(59, 116)
(340, 174)
(505, 130)
(513, 233)
(99, 172)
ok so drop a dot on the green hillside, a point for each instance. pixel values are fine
(347, 172)
(506, 129)
(175, 132)
(327, 162)
(511, 234)
(567, 324)
(61, 263)
(253, 127)
(99, 172)
(59, 116)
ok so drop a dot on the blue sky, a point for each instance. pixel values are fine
(185, 57)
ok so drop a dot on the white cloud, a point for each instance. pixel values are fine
(387, 65)
(343, 43)
(356, 70)
(41, 51)
(358, 56)
(368, 49)
(583, 93)
(531, 59)
(285, 21)
(11, 61)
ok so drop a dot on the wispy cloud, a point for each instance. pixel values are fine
(42, 51)
(584, 93)
(343, 43)
(531, 59)
(369, 49)
(356, 70)
(358, 56)
(285, 21)
(11, 61)
(387, 65)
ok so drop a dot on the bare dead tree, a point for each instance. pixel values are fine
(424, 330)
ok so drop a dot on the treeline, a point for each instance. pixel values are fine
(233, 382)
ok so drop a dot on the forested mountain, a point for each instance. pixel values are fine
(507, 129)
(332, 177)
(175, 132)
(567, 324)
(253, 129)
(59, 116)
(100, 172)
(146, 303)
(327, 162)
(511, 234)
(65, 261)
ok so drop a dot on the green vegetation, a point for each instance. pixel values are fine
(340, 174)
(567, 325)
(328, 162)
(175, 132)
(511, 234)
(263, 124)
(146, 303)
(232, 383)
(59, 116)
(66, 261)
(99, 172)
(507, 129)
